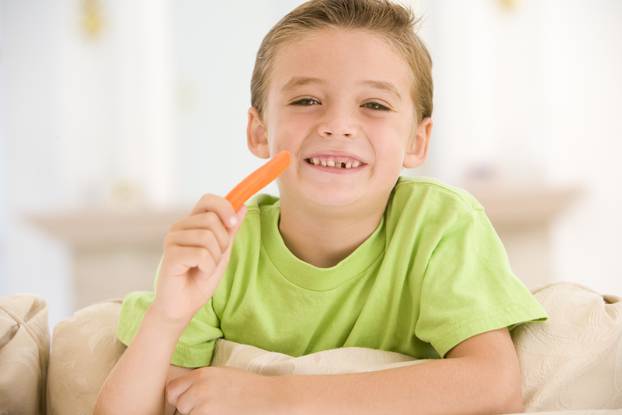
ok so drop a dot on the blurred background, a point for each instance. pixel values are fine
(116, 116)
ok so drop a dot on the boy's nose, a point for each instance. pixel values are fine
(337, 127)
(329, 133)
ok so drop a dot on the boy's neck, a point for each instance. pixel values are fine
(324, 240)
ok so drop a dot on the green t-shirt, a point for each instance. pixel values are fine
(432, 274)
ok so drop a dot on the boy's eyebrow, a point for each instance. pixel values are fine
(297, 81)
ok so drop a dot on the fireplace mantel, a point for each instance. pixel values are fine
(117, 251)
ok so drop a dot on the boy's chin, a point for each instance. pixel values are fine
(327, 192)
(334, 200)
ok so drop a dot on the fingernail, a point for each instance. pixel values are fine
(233, 220)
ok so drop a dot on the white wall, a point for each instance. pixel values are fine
(84, 117)
(31, 144)
(584, 83)
(535, 93)
(489, 76)
(159, 100)
(115, 120)
(4, 222)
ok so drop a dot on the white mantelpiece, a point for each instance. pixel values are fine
(115, 252)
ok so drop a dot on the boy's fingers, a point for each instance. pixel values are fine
(177, 386)
(193, 248)
(182, 258)
(189, 402)
(220, 205)
(224, 259)
(241, 214)
(202, 238)
(206, 220)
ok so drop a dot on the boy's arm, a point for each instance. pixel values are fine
(137, 382)
(196, 255)
(480, 375)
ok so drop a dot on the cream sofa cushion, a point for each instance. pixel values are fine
(84, 350)
(24, 344)
(573, 360)
(327, 362)
(570, 362)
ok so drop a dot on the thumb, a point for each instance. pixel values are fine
(241, 214)
(224, 259)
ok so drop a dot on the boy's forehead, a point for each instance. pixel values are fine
(336, 57)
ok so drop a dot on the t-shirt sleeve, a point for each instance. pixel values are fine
(469, 288)
(195, 346)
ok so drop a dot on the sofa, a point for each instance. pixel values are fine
(571, 364)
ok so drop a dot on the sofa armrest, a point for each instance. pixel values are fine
(24, 344)
(84, 350)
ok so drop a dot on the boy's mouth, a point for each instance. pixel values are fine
(335, 165)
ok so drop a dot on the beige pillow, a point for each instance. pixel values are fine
(84, 350)
(574, 359)
(327, 362)
(24, 343)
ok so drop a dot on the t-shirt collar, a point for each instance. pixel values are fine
(306, 275)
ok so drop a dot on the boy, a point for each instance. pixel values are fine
(352, 254)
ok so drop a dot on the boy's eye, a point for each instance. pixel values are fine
(376, 106)
(312, 101)
(305, 101)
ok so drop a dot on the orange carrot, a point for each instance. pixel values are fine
(258, 179)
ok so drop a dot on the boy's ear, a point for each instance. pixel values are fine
(257, 135)
(417, 149)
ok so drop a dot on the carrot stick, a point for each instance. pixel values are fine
(258, 179)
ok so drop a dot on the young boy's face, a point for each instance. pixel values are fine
(337, 90)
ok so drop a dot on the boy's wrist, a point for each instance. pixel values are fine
(170, 324)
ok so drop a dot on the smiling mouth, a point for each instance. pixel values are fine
(341, 167)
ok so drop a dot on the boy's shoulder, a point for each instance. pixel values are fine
(431, 190)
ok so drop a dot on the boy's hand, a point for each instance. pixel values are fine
(196, 254)
(226, 391)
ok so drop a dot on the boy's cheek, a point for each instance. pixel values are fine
(296, 121)
(290, 135)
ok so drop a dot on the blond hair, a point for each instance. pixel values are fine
(396, 23)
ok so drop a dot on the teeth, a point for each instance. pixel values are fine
(335, 163)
